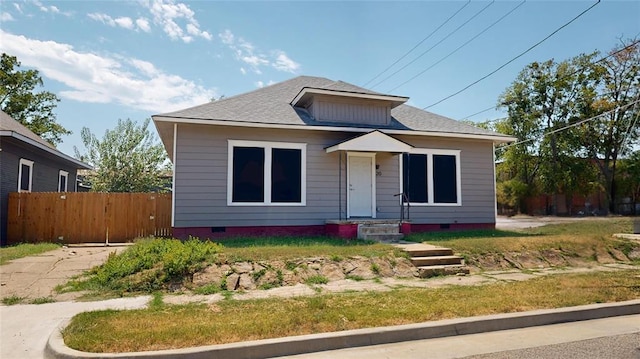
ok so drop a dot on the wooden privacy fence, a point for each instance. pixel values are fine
(87, 217)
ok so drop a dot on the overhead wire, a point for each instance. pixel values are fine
(418, 44)
(436, 44)
(569, 74)
(515, 58)
(459, 47)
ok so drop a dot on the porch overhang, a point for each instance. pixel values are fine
(374, 141)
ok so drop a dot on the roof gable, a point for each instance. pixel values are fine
(374, 141)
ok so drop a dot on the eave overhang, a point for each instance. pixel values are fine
(307, 93)
(53, 151)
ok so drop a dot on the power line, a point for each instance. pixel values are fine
(515, 58)
(438, 43)
(418, 44)
(573, 124)
(568, 75)
(479, 112)
(459, 47)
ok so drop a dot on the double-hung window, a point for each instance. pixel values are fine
(431, 177)
(25, 175)
(266, 173)
(63, 178)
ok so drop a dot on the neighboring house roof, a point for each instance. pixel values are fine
(14, 129)
(271, 106)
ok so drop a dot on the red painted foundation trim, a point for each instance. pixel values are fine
(342, 230)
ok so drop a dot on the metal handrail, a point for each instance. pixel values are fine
(405, 199)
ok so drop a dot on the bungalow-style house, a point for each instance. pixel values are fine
(30, 164)
(316, 156)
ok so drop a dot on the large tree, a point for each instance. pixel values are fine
(544, 98)
(20, 100)
(614, 134)
(127, 159)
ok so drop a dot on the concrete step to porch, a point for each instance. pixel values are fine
(381, 231)
(433, 260)
(440, 270)
(436, 260)
(384, 237)
(390, 228)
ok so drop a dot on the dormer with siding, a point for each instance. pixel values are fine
(347, 107)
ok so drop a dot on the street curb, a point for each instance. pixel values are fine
(56, 349)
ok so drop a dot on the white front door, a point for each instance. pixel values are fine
(361, 186)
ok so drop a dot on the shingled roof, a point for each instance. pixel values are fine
(271, 105)
(14, 129)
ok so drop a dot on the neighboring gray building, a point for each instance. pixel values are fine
(314, 156)
(30, 164)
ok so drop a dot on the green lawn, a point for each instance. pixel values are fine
(169, 326)
(24, 250)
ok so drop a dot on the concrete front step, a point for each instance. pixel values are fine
(436, 260)
(384, 237)
(429, 252)
(379, 229)
(440, 270)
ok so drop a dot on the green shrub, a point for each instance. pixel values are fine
(152, 263)
(317, 279)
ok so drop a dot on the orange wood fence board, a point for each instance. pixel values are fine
(87, 217)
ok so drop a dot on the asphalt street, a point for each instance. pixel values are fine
(607, 338)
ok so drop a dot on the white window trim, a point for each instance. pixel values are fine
(430, 190)
(65, 174)
(372, 156)
(268, 146)
(29, 164)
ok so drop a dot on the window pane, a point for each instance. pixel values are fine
(63, 184)
(286, 175)
(248, 174)
(414, 177)
(24, 180)
(444, 179)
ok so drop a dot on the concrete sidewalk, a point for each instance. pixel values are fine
(36, 276)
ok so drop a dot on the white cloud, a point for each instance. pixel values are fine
(143, 24)
(5, 16)
(168, 13)
(284, 63)
(123, 22)
(247, 53)
(106, 78)
(17, 6)
(48, 9)
(259, 84)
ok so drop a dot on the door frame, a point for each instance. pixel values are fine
(372, 157)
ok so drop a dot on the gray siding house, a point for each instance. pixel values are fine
(316, 156)
(30, 164)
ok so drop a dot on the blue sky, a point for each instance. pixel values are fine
(131, 59)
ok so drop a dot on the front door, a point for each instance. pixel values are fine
(361, 186)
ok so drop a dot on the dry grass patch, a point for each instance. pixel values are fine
(165, 326)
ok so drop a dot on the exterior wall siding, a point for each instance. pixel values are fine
(330, 109)
(201, 180)
(477, 183)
